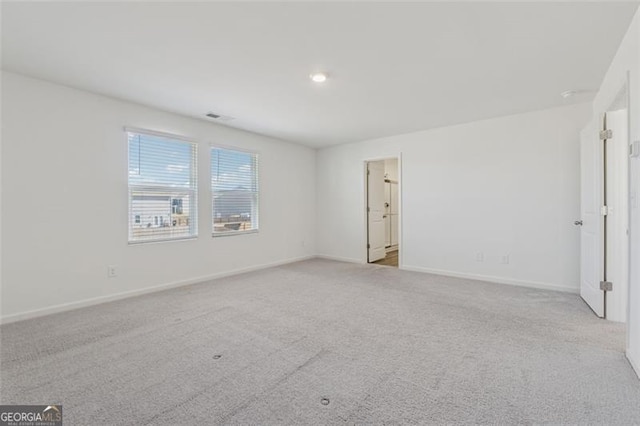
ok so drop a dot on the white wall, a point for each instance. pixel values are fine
(626, 64)
(64, 201)
(506, 186)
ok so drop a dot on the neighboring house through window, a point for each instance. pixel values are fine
(162, 187)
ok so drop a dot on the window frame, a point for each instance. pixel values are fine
(191, 192)
(256, 207)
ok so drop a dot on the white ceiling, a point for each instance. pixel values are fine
(394, 67)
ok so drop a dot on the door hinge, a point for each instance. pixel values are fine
(368, 172)
(606, 134)
(606, 285)
(604, 210)
(368, 246)
(368, 209)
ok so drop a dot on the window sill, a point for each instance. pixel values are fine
(161, 240)
(233, 233)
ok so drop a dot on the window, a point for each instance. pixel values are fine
(234, 191)
(176, 206)
(162, 176)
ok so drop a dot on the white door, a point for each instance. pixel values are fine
(387, 214)
(394, 230)
(617, 215)
(591, 230)
(375, 209)
(394, 198)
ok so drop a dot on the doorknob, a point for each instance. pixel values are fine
(578, 223)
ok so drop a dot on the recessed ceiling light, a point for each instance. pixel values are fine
(567, 94)
(318, 77)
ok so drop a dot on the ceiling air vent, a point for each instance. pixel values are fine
(219, 117)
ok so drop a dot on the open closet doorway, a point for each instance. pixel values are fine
(383, 211)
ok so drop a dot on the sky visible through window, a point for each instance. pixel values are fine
(157, 161)
(232, 170)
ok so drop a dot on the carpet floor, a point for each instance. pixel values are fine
(323, 342)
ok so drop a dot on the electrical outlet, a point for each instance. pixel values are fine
(112, 271)
(505, 259)
(479, 257)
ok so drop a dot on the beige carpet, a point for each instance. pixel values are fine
(380, 344)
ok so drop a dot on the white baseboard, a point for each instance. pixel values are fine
(118, 296)
(339, 259)
(498, 280)
(635, 362)
(487, 278)
(123, 295)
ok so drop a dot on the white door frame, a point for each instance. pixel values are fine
(615, 239)
(365, 239)
(614, 105)
(617, 244)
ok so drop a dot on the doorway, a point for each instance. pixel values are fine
(604, 218)
(383, 212)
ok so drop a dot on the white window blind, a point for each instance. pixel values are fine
(162, 188)
(234, 191)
